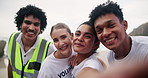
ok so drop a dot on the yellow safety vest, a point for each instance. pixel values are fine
(30, 70)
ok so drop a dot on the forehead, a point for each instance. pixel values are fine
(85, 28)
(59, 32)
(106, 19)
(30, 17)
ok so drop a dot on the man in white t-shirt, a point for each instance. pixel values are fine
(111, 27)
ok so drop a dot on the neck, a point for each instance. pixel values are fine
(59, 55)
(124, 49)
(28, 44)
(82, 57)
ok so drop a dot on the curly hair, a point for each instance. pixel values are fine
(105, 8)
(30, 10)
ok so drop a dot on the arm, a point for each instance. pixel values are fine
(88, 72)
(9, 70)
(102, 62)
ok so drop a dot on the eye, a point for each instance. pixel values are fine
(88, 36)
(55, 40)
(63, 36)
(99, 30)
(27, 22)
(77, 34)
(111, 25)
(37, 24)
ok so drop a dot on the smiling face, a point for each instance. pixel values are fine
(110, 31)
(30, 28)
(84, 39)
(63, 42)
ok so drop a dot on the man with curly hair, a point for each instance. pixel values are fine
(26, 50)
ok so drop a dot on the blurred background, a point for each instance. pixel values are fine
(72, 13)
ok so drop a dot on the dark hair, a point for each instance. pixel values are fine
(60, 26)
(30, 10)
(105, 8)
(93, 30)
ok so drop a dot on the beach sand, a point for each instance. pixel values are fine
(3, 67)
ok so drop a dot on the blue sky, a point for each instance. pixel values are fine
(70, 12)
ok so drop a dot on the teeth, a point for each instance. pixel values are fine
(63, 47)
(30, 32)
(110, 39)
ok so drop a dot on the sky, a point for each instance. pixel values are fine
(70, 12)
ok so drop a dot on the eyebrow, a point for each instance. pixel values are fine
(89, 33)
(85, 32)
(109, 21)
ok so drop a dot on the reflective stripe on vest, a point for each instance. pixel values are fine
(16, 57)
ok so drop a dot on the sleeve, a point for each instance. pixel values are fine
(110, 57)
(95, 64)
(51, 49)
(44, 71)
(6, 48)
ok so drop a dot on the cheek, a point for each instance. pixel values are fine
(56, 45)
(38, 29)
(99, 36)
(90, 44)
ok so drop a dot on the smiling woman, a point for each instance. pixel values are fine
(85, 43)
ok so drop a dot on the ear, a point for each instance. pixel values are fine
(96, 45)
(125, 24)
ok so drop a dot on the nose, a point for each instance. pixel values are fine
(80, 38)
(61, 42)
(106, 32)
(31, 27)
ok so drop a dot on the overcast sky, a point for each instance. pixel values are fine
(70, 12)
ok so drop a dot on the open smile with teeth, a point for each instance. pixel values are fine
(63, 47)
(30, 33)
(110, 40)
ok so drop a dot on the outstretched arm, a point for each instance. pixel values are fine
(88, 73)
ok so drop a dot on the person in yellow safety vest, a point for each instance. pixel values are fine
(26, 50)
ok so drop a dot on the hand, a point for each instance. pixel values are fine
(73, 60)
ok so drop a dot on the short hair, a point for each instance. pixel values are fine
(105, 8)
(60, 26)
(93, 30)
(30, 10)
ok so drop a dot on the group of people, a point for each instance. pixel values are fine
(74, 55)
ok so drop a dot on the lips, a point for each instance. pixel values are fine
(30, 33)
(63, 47)
(109, 41)
(78, 44)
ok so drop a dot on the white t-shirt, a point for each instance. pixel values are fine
(92, 62)
(55, 68)
(137, 54)
(27, 55)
